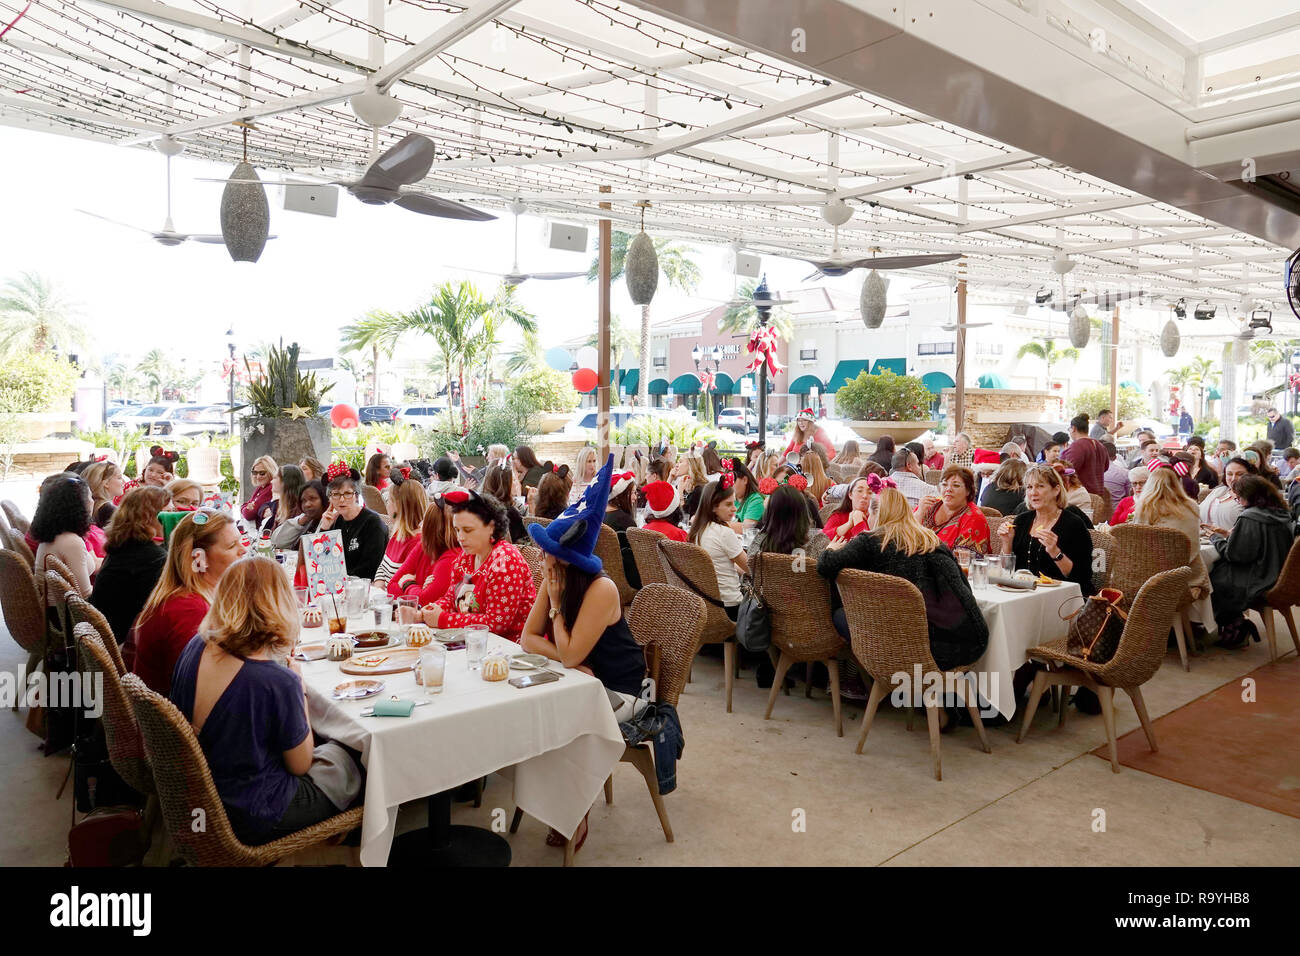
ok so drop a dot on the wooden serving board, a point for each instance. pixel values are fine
(395, 662)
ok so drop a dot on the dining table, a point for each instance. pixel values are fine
(556, 742)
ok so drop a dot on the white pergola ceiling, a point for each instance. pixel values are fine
(550, 100)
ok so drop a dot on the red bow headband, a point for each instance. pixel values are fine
(1179, 467)
(98, 458)
(753, 445)
(338, 469)
(157, 451)
(457, 496)
(405, 471)
(876, 484)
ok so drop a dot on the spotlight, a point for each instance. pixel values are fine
(1262, 319)
(1042, 297)
(1180, 308)
(1205, 311)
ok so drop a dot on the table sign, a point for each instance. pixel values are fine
(326, 566)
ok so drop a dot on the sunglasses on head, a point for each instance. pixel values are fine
(200, 516)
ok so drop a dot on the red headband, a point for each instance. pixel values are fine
(456, 496)
(338, 469)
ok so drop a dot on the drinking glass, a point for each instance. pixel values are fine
(979, 573)
(433, 666)
(963, 561)
(300, 594)
(412, 607)
(357, 590)
(1007, 565)
(476, 641)
(381, 610)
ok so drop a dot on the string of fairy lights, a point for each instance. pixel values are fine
(166, 79)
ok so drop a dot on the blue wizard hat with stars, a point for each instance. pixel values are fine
(572, 536)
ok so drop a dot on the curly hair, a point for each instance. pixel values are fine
(488, 510)
(64, 506)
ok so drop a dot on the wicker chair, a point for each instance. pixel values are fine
(121, 732)
(374, 501)
(54, 591)
(1284, 594)
(1142, 551)
(23, 608)
(1104, 542)
(184, 784)
(1138, 656)
(610, 553)
(799, 609)
(52, 563)
(1097, 506)
(16, 517)
(933, 476)
(14, 541)
(701, 580)
(646, 552)
(887, 621)
(529, 519)
(992, 514)
(829, 509)
(533, 555)
(81, 611)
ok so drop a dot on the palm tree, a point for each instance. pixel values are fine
(1049, 353)
(743, 319)
(1200, 373)
(35, 316)
(1266, 355)
(121, 379)
(526, 357)
(157, 371)
(622, 341)
(677, 267)
(377, 331)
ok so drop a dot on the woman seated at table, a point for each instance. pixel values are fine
(1263, 458)
(263, 470)
(1076, 495)
(577, 618)
(853, 516)
(243, 694)
(426, 572)
(527, 466)
(1200, 470)
(312, 469)
(692, 481)
(1164, 505)
(365, 536)
(1251, 556)
(161, 467)
(286, 499)
(1006, 492)
(785, 527)
(200, 549)
(1222, 507)
(379, 471)
(711, 530)
(585, 467)
(1049, 538)
(186, 495)
(620, 515)
(664, 510)
(107, 484)
(500, 481)
(749, 500)
(790, 475)
(491, 583)
(60, 526)
(311, 505)
(552, 492)
(953, 514)
(407, 504)
(811, 466)
(135, 560)
(95, 536)
(1137, 477)
(850, 454)
(899, 546)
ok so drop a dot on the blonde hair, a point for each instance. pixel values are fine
(769, 463)
(269, 462)
(895, 524)
(585, 454)
(179, 485)
(410, 502)
(253, 609)
(1163, 499)
(497, 453)
(811, 463)
(314, 466)
(1050, 477)
(849, 454)
(97, 475)
(178, 575)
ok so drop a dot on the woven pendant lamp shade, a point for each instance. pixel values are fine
(641, 269)
(1080, 327)
(874, 299)
(245, 215)
(1170, 339)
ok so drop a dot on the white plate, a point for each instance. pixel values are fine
(529, 662)
(358, 689)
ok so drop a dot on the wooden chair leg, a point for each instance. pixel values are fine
(1035, 694)
(1270, 629)
(609, 789)
(1107, 697)
(911, 713)
(729, 668)
(833, 668)
(1065, 706)
(1185, 616)
(807, 680)
(514, 823)
(774, 656)
(643, 759)
(971, 698)
(878, 692)
(1135, 693)
(932, 719)
(782, 666)
(690, 674)
(1290, 623)
(478, 792)
(1182, 635)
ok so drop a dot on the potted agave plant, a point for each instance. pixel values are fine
(886, 404)
(284, 419)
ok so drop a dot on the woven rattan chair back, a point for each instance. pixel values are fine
(610, 553)
(4, 525)
(887, 623)
(1286, 590)
(1097, 505)
(82, 611)
(932, 476)
(528, 519)
(16, 518)
(121, 733)
(1103, 557)
(645, 551)
(14, 539)
(374, 500)
(55, 594)
(671, 621)
(799, 607)
(1146, 633)
(1142, 551)
(829, 509)
(52, 563)
(23, 606)
(694, 572)
(992, 514)
(533, 555)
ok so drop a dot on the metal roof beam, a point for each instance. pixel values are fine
(455, 30)
(1056, 213)
(1148, 241)
(1257, 31)
(946, 171)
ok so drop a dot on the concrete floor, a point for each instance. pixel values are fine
(744, 782)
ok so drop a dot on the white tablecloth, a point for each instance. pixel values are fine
(1017, 620)
(561, 740)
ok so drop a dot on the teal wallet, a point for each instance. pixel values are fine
(394, 708)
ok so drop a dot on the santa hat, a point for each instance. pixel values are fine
(619, 482)
(572, 536)
(661, 499)
(806, 416)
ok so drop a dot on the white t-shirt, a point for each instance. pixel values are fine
(722, 545)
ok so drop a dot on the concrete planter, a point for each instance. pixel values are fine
(901, 432)
(550, 422)
(38, 426)
(284, 439)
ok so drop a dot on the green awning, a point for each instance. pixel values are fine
(1213, 394)
(723, 385)
(658, 386)
(804, 384)
(737, 385)
(592, 391)
(992, 380)
(686, 384)
(937, 381)
(896, 365)
(631, 379)
(1129, 383)
(845, 371)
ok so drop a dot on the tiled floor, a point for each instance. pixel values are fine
(788, 791)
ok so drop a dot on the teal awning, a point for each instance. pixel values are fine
(1213, 393)
(937, 381)
(1129, 383)
(631, 379)
(896, 365)
(845, 371)
(992, 380)
(737, 384)
(804, 384)
(723, 385)
(658, 386)
(686, 384)
(592, 391)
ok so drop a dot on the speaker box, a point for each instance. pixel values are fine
(563, 235)
(318, 199)
(747, 265)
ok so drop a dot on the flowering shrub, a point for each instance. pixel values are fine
(884, 397)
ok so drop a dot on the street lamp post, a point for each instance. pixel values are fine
(230, 344)
(705, 355)
(763, 305)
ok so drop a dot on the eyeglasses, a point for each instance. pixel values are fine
(342, 495)
(259, 473)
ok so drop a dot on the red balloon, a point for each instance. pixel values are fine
(344, 416)
(584, 379)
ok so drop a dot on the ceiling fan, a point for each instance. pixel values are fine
(839, 265)
(514, 277)
(167, 235)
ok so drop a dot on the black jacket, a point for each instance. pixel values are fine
(1071, 530)
(1250, 559)
(124, 582)
(364, 539)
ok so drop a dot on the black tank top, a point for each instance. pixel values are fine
(617, 660)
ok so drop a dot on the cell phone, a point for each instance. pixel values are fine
(528, 680)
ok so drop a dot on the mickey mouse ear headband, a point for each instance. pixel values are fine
(157, 451)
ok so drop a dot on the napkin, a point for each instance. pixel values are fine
(394, 708)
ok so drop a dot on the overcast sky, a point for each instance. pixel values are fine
(317, 276)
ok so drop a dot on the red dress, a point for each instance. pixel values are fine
(838, 518)
(499, 594)
(967, 529)
(1123, 511)
(160, 638)
(668, 530)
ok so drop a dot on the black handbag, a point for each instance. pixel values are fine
(753, 621)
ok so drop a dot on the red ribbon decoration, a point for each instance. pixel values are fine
(763, 342)
(707, 381)
(1294, 381)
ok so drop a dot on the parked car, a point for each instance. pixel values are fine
(422, 416)
(742, 420)
(185, 420)
(377, 413)
(620, 415)
(139, 417)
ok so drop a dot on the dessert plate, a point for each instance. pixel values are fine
(358, 689)
(529, 662)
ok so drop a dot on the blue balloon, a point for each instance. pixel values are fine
(559, 359)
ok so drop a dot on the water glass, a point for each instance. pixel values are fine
(407, 611)
(357, 591)
(433, 666)
(300, 595)
(963, 561)
(381, 610)
(476, 642)
(979, 573)
(1007, 565)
